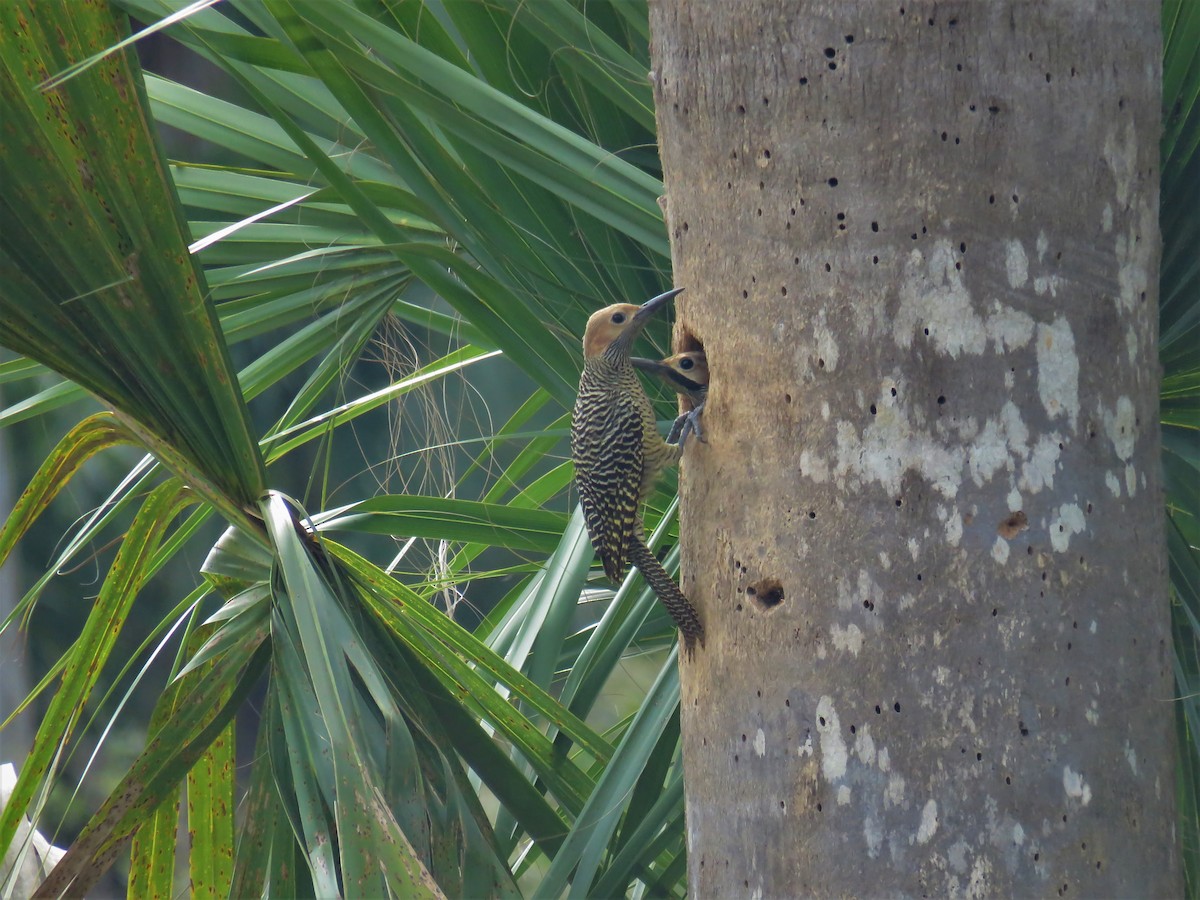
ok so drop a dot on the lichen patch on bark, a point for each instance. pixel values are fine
(929, 822)
(1068, 522)
(1016, 264)
(1058, 370)
(833, 746)
(1075, 786)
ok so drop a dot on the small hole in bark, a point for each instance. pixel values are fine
(991, 198)
(849, 39)
(896, 706)
(875, 260)
(941, 400)
(787, 398)
(767, 593)
(821, 720)
(812, 514)
(873, 409)
(741, 110)
(833, 67)
(1010, 527)
(820, 363)
(829, 52)
(828, 268)
(878, 711)
(803, 81)
(833, 182)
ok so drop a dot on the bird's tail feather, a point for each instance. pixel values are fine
(668, 592)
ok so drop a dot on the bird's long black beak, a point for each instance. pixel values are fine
(651, 306)
(680, 383)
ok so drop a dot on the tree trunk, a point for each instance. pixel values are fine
(921, 249)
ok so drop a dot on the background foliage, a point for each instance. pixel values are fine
(447, 189)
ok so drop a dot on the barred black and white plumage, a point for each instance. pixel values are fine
(619, 454)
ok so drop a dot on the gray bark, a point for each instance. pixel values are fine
(920, 247)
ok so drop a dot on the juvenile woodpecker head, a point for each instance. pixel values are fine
(691, 365)
(614, 328)
(686, 373)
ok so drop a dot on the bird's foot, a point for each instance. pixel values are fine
(686, 424)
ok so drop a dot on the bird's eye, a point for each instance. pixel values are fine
(618, 318)
(686, 363)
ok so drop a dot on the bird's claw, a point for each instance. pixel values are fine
(686, 424)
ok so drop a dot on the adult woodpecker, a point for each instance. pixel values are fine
(619, 454)
(687, 374)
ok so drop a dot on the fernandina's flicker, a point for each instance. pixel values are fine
(619, 454)
(687, 374)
